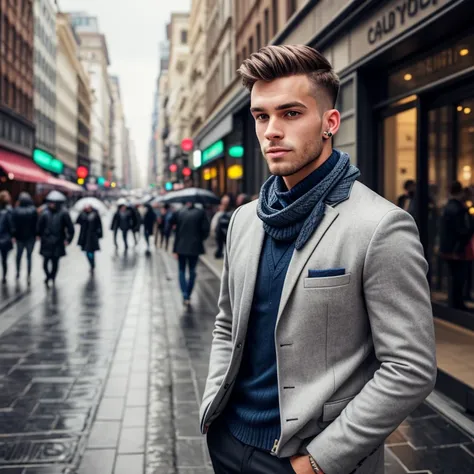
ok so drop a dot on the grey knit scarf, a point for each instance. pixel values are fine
(302, 217)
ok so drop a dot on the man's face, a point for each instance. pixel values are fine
(52, 205)
(289, 123)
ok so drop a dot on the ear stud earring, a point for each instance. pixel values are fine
(328, 134)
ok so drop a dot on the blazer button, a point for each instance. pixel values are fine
(239, 345)
(226, 386)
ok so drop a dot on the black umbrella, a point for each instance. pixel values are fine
(56, 196)
(194, 195)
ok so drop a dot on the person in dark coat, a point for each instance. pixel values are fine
(149, 224)
(192, 229)
(90, 234)
(124, 220)
(137, 223)
(165, 226)
(455, 233)
(56, 231)
(7, 232)
(25, 219)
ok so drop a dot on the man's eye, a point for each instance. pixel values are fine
(262, 117)
(293, 113)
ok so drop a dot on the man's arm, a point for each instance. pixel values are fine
(221, 349)
(399, 309)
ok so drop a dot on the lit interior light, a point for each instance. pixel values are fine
(464, 52)
(467, 110)
(459, 108)
(408, 77)
(11, 176)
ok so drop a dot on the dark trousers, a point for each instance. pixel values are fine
(124, 235)
(165, 239)
(230, 456)
(51, 274)
(21, 246)
(187, 285)
(91, 259)
(456, 284)
(4, 254)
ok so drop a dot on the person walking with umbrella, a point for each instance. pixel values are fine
(192, 229)
(123, 220)
(56, 231)
(149, 224)
(91, 232)
(25, 219)
(7, 231)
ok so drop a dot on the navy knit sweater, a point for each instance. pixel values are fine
(253, 412)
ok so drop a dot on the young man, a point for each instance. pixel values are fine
(324, 340)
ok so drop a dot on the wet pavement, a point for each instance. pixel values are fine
(104, 375)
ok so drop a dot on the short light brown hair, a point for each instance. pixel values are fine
(273, 62)
(5, 199)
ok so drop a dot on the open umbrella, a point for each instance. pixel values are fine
(194, 195)
(56, 196)
(95, 203)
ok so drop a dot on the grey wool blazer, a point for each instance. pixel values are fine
(355, 353)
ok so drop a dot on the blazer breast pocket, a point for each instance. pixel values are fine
(327, 282)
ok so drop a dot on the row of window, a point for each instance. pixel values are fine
(41, 62)
(48, 94)
(15, 42)
(24, 9)
(45, 131)
(16, 133)
(45, 38)
(16, 99)
(47, 16)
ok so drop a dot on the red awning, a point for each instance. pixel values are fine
(20, 168)
(65, 185)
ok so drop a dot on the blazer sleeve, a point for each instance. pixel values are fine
(398, 304)
(221, 350)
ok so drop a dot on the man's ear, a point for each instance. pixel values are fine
(331, 121)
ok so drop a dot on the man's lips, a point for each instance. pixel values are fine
(277, 152)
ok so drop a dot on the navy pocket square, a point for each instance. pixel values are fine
(331, 272)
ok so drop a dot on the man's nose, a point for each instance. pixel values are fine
(274, 130)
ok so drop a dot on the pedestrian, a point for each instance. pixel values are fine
(324, 340)
(91, 232)
(149, 221)
(225, 206)
(25, 219)
(192, 229)
(7, 231)
(124, 221)
(56, 232)
(165, 225)
(137, 223)
(222, 228)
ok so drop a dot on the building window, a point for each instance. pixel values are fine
(290, 8)
(184, 37)
(244, 53)
(251, 50)
(275, 16)
(258, 36)
(237, 61)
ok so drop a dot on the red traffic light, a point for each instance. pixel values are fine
(187, 144)
(187, 172)
(82, 172)
(173, 168)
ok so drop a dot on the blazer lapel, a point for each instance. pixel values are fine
(255, 244)
(300, 258)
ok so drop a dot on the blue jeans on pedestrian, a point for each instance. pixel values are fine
(187, 285)
(91, 258)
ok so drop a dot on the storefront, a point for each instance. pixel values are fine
(407, 109)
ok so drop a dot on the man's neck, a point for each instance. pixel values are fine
(292, 180)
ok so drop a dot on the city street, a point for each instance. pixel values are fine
(104, 375)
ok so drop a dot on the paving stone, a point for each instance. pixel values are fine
(128, 463)
(132, 440)
(104, 434)
(100, 461)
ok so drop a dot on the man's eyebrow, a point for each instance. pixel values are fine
(288, 105)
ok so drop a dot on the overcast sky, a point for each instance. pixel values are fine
(133, 29)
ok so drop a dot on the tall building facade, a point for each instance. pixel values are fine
(67, 89)
(45, 46)
(178, 97)
(95, 58)
(84, 96)
(16, 77)
(117, 134)
(153, 145)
